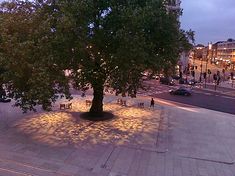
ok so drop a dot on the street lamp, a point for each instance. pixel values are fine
(200, 78)
(208, 54)
(232, 78)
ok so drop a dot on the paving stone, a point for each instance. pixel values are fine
(180, 141)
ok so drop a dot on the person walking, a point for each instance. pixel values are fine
(152, 103)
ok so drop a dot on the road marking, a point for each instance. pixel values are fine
(230, 93)
(205, 93)
(151, 91)
(233, 98)
(15, 172)
(178, 105)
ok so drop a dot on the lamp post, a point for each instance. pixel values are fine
(208, 54)
(232, 75)
(194, 58)
(206, 71)
(200, 78)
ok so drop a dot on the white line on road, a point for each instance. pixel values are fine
(233, 98)
(205, 93)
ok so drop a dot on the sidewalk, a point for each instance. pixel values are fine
(169, 140)
(225, 84)
(224, 88)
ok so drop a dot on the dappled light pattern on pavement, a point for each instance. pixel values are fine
(131, 125)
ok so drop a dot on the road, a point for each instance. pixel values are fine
(219, 101)
(223, 100)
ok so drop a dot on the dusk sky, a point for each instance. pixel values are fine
(212, 20)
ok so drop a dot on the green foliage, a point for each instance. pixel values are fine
(103, 43)
(186, 38)
(31, 74)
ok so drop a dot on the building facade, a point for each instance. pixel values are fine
(221, 53)
(226, 54)
(198, 51)
(173, 5)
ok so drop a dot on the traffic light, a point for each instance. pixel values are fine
(193, 73)
(218, 80)
(215, 77)
(232, 75)
(204, 75)
(181, 74)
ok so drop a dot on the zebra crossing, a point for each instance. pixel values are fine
(156, 89)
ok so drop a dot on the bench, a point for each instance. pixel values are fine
(65, 105)
(141, 105)
(88, 102)
(124, 103)
(121, 102)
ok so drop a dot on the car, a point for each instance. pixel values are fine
(182, 81)
(145, 73)
(192, 82)
(145, 78)
(157, 77)
(176, 77)
(167, 81)
(181, 91)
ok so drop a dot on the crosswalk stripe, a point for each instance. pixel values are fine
(233, 98)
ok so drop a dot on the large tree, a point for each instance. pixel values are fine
(103, 43)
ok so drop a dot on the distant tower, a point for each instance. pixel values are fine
(173, 5)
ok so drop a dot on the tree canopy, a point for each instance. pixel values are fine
(103, 43)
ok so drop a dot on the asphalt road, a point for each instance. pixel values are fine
(200, 98)
(222, 100)
(204, 99)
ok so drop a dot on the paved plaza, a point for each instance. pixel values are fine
(167, 140)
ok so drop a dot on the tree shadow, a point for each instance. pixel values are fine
(119, 126)
(94, 117)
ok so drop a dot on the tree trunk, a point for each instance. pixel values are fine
(97, 102)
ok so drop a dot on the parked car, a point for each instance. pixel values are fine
(189, 82)
(181, 91)
(182, 81)
(167, 81)
(176, 77)
(192, 82)
(157, 77)
(145, 78)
